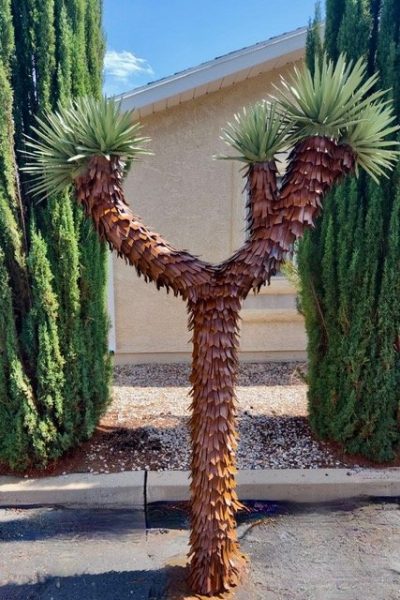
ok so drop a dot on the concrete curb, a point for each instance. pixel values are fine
(134, 489)
(79, 489)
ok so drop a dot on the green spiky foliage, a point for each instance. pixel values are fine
(370, 139)
(337, 101)
(349, 263)
(65, 39)
(333, 100)
(329, 101)
(67, 139)
(258, 133)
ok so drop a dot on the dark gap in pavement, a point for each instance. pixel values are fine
(58, 522)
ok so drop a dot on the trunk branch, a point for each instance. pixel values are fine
(262, 193)
(100, 192)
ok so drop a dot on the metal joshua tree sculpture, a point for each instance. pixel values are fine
(333, 128)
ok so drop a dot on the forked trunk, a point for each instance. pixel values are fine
(214, 293)
(215, 556)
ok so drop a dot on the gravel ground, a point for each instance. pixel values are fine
(146, 425)
(151, 405)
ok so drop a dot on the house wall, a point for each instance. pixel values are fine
(197, 203)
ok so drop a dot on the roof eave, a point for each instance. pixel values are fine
(216, 74)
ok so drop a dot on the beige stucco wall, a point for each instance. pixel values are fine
(197, 204)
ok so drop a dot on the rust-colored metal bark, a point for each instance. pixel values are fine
(215, 553)
(100, 192)
(275, 219)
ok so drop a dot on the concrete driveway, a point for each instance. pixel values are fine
(326, 552)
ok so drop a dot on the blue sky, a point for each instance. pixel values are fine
(150, 39)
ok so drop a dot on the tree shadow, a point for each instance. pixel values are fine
(132, 446)
(125, 585)
(275, 441)
(168, 583)
(56, 522)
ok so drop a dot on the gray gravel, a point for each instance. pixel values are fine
(152, 403)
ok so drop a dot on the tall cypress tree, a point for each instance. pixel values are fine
(354, 34)
(54, 273)
(313, 41)
(334, 15)
(349, 267)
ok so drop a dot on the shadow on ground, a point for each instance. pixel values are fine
(45, 523)
(135, 585)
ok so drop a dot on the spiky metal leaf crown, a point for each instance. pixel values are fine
(328, 101)
(368, 139)
(258, 133)
(67, 139)
(337, 102)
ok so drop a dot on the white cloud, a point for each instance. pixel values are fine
(124, 66)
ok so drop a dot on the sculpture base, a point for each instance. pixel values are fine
(178, 588)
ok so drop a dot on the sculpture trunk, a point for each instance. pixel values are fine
(215, 556)
(214, 293)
